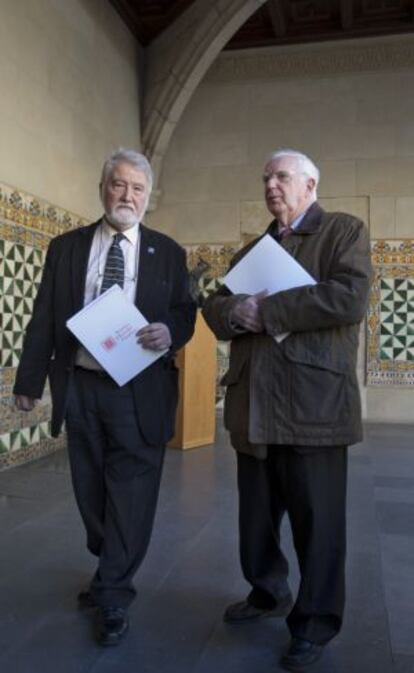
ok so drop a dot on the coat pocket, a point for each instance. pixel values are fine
(236, 402)
(319, 396)
(320, 385)
(233, 373)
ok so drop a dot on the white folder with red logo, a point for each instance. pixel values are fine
(107, 328)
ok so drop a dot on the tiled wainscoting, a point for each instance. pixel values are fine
(26, 227)
(390, 352)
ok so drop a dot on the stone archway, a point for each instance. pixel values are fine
(177, 62)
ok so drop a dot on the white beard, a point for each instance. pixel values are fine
(122, 217)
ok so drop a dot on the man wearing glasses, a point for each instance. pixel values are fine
(293, 407)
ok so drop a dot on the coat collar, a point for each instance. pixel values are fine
(312, 220)
(310, 223)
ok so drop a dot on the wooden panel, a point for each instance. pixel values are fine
(196, 417)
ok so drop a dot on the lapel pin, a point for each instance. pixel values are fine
(151, 251)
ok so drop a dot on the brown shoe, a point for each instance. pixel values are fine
(243, 611)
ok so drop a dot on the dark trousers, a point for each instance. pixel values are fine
(116, 478)
(310, 485)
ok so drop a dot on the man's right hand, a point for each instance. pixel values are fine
(246, 313)
(24, 403)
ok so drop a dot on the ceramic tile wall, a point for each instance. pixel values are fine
(27, 224)
(390, 352)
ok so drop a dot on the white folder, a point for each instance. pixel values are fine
(107, 328)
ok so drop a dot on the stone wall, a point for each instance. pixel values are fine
(349, 105)
(69, 83)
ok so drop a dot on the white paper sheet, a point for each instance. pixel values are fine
(107, 328)
(267, 266)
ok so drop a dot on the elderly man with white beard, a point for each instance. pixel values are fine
(116, 434)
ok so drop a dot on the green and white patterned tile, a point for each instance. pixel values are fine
(20, 270)
(5, 442)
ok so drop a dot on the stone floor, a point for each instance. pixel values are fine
(191, 571)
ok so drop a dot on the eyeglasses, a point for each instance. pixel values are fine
(284, 177)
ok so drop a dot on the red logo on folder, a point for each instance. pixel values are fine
(109, 343)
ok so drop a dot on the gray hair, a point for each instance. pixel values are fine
(305, 164)
(132, 157)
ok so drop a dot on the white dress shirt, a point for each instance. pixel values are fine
(101, 243)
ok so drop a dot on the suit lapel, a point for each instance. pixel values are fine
(79, 263)
(149, 267)
(150, 255)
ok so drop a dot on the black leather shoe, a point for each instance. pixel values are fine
(241, 612)
(111, 625)
(86, 601)
(300, 655)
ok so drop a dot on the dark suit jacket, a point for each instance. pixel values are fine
(162, 296)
